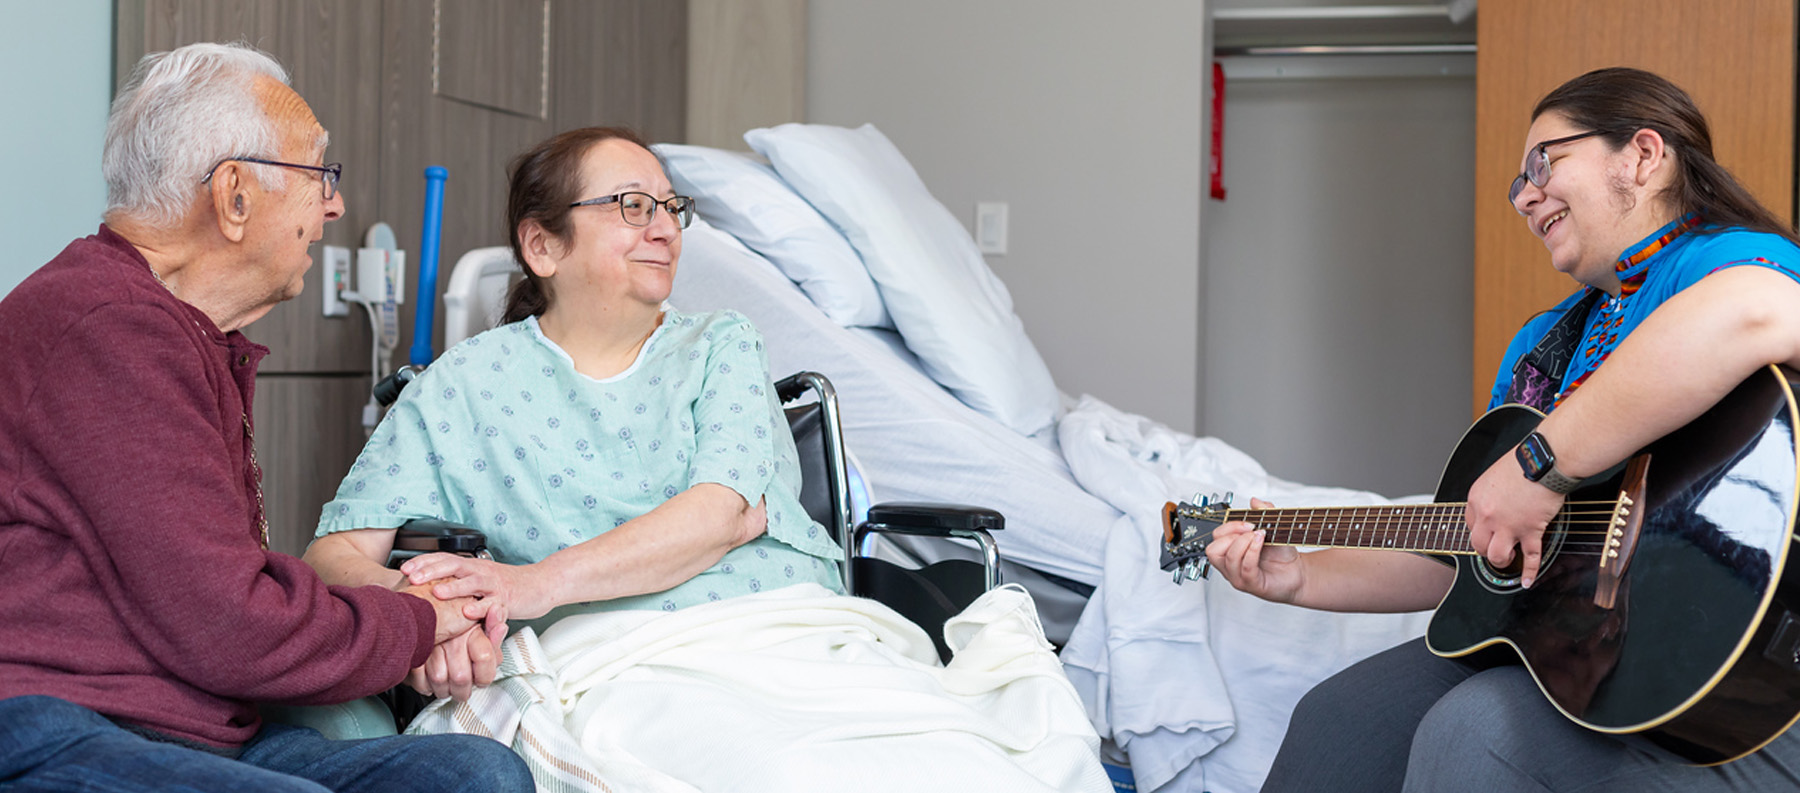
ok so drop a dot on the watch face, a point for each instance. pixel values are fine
(1535, 457)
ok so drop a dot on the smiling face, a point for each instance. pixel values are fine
(1578, 211)
(1597, 201)
(607, 264)
(297, 210)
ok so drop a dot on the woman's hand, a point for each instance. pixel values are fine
(1505, 510)
(753, 521)
(504, 591)
(457, 666)
(1272, 573)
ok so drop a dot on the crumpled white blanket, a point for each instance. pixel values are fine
(1195, 682)
(796, 689)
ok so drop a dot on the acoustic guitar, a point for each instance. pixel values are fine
(1664, 604)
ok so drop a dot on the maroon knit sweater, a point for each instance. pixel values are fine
(132, 577)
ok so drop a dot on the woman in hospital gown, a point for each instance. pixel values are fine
(638, 486)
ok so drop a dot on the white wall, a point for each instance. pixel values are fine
(1086, 118)
(55, 86)
(1340, 277)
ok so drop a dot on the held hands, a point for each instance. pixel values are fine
(468, 638)
(511, 590)
(1505, 510)
(1273, 573)
(457, 666)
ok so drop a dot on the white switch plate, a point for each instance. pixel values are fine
(990, 227)
(336, 280)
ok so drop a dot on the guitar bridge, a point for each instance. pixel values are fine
(1784, 646)
(1622, 532)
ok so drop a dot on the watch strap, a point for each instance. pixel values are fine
(1558, 483)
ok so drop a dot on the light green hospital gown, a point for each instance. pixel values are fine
(502, 434)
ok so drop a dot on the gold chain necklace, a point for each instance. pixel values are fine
(159, 279)
(262, 515)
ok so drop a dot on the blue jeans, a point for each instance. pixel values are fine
(50, 744)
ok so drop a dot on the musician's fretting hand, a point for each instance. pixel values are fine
(1271, 573)
(1505, 510)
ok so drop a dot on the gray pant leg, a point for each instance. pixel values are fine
(1351, 733)
(1496, 732)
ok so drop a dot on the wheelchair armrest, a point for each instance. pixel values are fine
(422, 536)
(937, 520)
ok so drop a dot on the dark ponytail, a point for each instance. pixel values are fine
(1623, 101)
(542, 183)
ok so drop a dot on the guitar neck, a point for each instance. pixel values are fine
(1436, 528)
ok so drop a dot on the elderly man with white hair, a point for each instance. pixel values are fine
(145, 614)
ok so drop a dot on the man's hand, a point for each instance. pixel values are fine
(457, 666)
(451, 619)
(1505, 510)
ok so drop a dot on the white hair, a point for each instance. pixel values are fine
(180, 113)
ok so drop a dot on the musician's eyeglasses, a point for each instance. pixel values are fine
(1537, 164)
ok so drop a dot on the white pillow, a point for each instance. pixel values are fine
(951, 309)
(744, 198)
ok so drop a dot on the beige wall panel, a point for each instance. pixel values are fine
(622, 63)
(747, 68)
(1735, 57)
(307, 437)
(494, 54)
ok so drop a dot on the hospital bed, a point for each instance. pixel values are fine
(1194, 682)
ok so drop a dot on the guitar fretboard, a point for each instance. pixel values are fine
(1437, 528)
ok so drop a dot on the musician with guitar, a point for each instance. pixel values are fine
(1603, 543)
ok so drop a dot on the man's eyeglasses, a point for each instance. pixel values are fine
(328, 173)
(638, 209)
(1537, 164)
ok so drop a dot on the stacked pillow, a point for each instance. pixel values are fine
(845, 216)
(744, 198)
(951, 309)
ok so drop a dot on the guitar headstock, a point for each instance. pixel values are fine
(1187, 528)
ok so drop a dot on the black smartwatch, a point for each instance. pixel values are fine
(1539, 464)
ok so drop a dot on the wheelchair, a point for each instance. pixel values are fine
(927, 595)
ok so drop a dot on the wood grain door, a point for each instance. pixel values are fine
(1735, 57)
(401, 85)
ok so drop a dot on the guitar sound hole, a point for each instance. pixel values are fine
(1507, 579)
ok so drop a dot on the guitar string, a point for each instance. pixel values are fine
(1383, 520)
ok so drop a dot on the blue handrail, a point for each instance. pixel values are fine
(425, 307)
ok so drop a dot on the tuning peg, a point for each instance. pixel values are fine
(1198, 569)
(1227, 499)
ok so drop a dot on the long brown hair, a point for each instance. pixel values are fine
(1622, 101)
(542, 183)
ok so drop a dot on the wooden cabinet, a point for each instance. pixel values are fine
(1735, 57)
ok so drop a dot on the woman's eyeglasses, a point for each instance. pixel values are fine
(1537, 164)
(638, 209)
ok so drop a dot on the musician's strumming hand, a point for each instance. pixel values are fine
(1506, 510)
(1268, 572)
